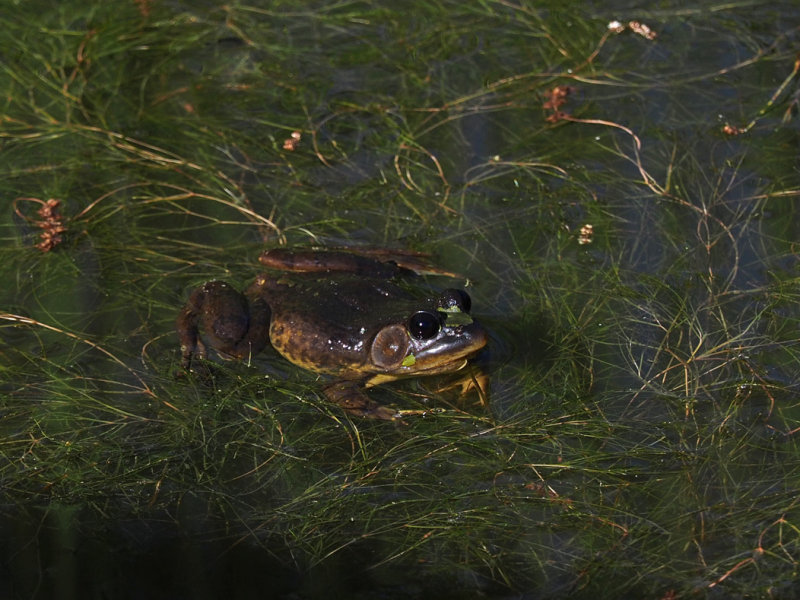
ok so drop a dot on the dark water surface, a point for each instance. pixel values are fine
(632, 248)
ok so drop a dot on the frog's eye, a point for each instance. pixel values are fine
(424, 325)
(452, 300)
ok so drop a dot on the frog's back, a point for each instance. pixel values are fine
(326, 324)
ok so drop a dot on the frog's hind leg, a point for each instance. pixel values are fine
(186, 326)
(234, 324)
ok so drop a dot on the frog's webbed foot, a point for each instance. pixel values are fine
(234, 324)
(471, 379)
(349, 396)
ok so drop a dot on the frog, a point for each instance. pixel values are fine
(346, 314)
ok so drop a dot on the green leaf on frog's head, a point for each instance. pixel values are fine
(455, 317)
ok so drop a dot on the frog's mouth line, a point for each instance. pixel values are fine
(448, 367)
(451, 353)
(407, 372)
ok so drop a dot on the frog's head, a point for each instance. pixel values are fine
(437, 340)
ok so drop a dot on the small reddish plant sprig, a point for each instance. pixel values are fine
(50, 221)
(144, 7)
(292, 141)
(556, 98)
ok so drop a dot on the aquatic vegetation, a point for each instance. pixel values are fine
(618, 193)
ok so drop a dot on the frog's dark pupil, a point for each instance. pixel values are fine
(423, 325)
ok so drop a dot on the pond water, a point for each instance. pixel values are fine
(615, 186)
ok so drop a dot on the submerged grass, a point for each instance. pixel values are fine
(639, 439)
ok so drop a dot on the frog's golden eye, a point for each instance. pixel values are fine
(424, 325)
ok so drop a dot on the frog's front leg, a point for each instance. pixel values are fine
(350, 396)
(234, 324)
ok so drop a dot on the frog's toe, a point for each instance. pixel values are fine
(384, 413)
(350, 397)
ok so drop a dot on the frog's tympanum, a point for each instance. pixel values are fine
(340, 313)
